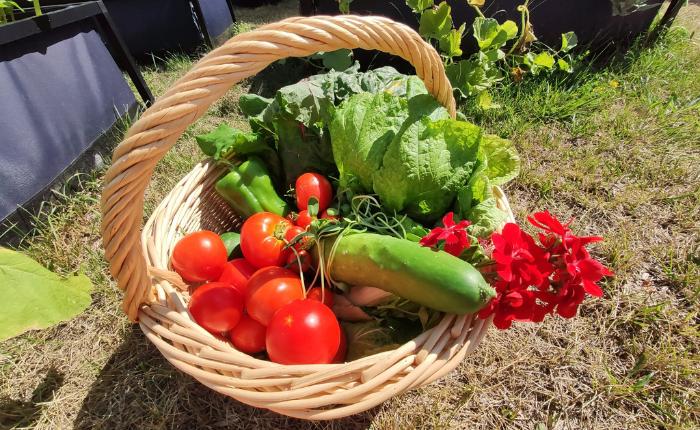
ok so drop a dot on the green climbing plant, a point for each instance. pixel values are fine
(506, 49)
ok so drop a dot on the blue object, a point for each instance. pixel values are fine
(60, 90)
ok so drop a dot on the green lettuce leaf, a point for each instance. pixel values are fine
(500, 158)
(486, 218)
(425, 165)
(34, 297)
(363, 127)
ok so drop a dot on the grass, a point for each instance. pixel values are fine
(617, 148)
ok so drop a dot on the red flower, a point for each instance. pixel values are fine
(518, 258)
(454, 236)
(509, 305)
(557, 233)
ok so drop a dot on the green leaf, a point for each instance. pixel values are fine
(484, 100)
(511, 29)
(253, 104)
(450, 44)
(436, 23)
(312, 207)
(500, 159)
(339, 60)
(344, 6)
(36, 298)
(489, 34)
(360, 133)
(568, 41)
(225, 140)
(419, 6)
(564, 66)
(486, 218)
(544, 59)
(232, 242)
(425, 165)
(302, 150)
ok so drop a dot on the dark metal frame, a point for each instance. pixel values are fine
(76, 12)
(203, 24)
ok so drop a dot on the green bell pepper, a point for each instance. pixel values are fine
(248, 189)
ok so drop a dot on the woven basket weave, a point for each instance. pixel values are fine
(157, 298)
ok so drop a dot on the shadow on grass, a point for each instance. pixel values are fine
(138, 388)
(20, 413)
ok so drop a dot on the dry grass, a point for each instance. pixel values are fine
(624, 160)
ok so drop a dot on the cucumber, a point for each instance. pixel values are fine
(434, 279)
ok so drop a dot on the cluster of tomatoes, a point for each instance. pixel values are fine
(259, 300)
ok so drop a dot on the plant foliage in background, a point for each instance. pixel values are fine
(627, 7)
(33, 297)
(7, 11)
(505, 49)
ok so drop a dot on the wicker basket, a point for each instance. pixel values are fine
(157, 298)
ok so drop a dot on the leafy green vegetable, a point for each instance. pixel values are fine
(425, 166)
(253, 104)
(34, 297)
(225, 139)
(363, 128)
(290, 131)
(486, 217)
(339, 60)
(500, 158)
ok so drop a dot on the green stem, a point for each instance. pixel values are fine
(3, 17)
(37, 8)
(524, 20)
(478, 11)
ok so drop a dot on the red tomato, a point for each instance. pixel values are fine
(216, 306)
(303, 332)
(304, 219)
(237, 272)
(316, 294)
(248, 336)
(269, 289)
(261, 239)
(325, 215)
(293, 263)
(313, 185)
(342, 349)
(292, 233)
(199, 256)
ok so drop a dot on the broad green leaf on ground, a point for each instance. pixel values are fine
(500, 159)
(34, 297)
(436, 23)
(363, 127)
(425, 165)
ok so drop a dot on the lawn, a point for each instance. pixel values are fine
(618, 148)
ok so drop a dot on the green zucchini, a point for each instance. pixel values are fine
(430, 278)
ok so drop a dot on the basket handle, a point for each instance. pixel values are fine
(189, 98)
